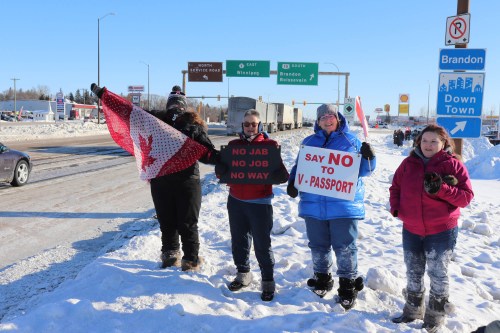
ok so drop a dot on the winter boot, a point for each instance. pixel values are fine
(241, 280)
(434, 314)
(414, 307)
(170, 258)
(190, 265)
(268, 289)
(348, 291)
(321, 282)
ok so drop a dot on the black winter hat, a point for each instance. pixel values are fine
(177, 99)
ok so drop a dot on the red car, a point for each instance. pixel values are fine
(15, 166)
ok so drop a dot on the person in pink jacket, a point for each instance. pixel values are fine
(428, 190)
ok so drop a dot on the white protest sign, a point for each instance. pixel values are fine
(332, 173)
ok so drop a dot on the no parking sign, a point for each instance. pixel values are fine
(457, 29)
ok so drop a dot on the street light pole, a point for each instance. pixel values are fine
(99, 65)
(15, 97)
(338, 82)
(148, 82)
(83, 94)
(428, 95)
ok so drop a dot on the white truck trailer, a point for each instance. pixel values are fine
(297, 117)
(237, 107)
(285, 117)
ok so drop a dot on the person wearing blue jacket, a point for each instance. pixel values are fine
(333, 222)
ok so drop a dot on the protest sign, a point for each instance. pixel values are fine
(250, 164)
(327, 172)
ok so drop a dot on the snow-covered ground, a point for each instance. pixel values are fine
(125, 291)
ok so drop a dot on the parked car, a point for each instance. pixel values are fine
(6, 117)
(15, 166)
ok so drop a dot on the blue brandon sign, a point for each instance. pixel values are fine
(462, 59)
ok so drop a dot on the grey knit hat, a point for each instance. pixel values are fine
(327, 109)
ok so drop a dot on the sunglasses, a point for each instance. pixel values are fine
(328, 116)
(247, 124)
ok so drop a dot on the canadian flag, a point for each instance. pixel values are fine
(159, 149)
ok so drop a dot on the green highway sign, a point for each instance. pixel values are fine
(248, 68)
(298, 73)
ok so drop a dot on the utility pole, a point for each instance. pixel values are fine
(428, 96)
(15, 99)
(83, 94)
(462, 8)
(338, 82)
(99, 65)
(148, 82)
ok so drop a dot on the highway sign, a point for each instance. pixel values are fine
(461, 127)
(205, 71)
(457, 29)
(460, 94)
(349, 106)
(60, 101)
(462, 59)
(248, 68)
(298, 73)
(133, 89)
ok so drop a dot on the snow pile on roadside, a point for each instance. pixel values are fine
(26, 132)
(125, 291)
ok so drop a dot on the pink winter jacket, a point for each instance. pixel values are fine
(423, 213)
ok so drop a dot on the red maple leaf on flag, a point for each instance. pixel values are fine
(165, 151)
(146, 148)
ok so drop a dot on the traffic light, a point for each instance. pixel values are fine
(305, 103)
(199, 108)
(293, 102)
(260, 98)
(218, 97)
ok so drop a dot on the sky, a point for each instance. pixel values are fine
(122, 288)
(388, 48)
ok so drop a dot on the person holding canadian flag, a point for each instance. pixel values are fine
(167, 145)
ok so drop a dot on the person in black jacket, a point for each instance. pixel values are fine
(177, 196)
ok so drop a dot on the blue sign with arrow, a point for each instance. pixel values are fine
(462, 59)
(461, 127)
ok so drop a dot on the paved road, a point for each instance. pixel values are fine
(65, 200)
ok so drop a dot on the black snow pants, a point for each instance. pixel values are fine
(177, 202)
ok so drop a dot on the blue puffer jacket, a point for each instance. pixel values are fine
(326, 208)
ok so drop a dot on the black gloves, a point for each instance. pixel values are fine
(279, 176)
(450, 180)
(432, 182)
(98, 91)
(367, 151)
(220, 168)
(213, 157)
(291, 190)
(395, 213)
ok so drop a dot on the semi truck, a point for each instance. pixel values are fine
(273, 116)
(285, 117)
(297, 117)
(237, 107)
